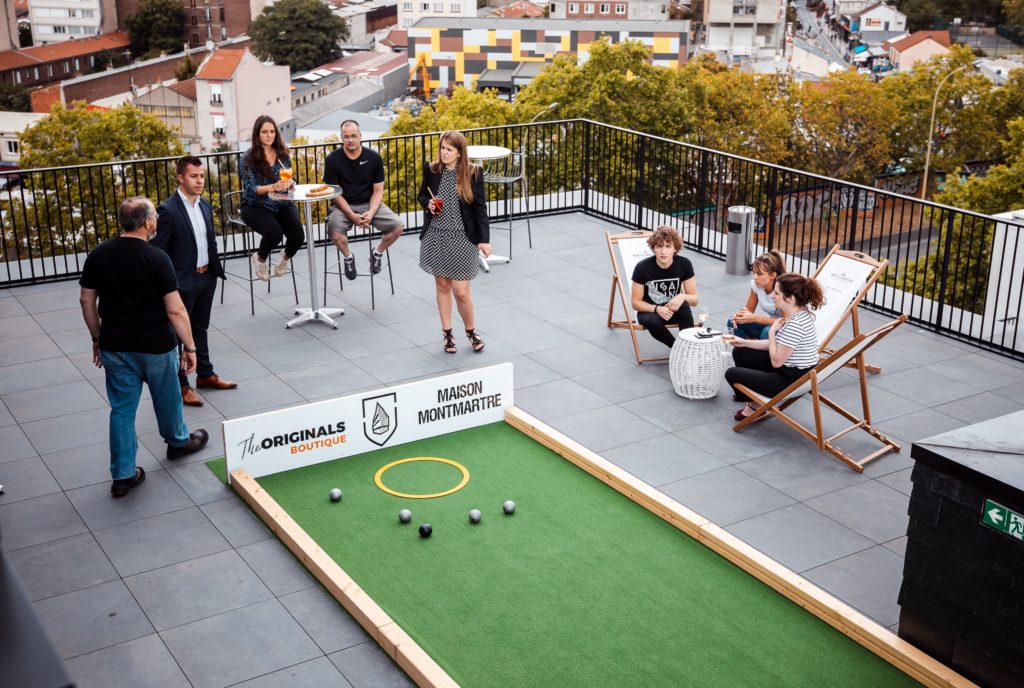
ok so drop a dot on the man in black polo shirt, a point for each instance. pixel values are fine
(360, 173)
(131, 305)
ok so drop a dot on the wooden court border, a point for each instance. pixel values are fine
(427, 673)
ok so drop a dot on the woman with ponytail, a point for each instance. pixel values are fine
(768, 366)
(755, 319)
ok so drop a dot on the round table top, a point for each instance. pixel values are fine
(690, 335)
(487, 152)
(298, 194)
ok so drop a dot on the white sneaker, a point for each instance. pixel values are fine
(281, 269)
(260, 268)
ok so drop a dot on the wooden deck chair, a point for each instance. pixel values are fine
(626, 250)
(845, 277)
(810, 383)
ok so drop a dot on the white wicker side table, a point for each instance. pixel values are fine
(696, 365)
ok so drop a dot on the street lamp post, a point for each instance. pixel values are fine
(931, 129)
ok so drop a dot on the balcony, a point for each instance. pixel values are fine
(84, 556)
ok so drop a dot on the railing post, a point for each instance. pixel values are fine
(773, 191)
(586, 164)
(641, 161)
(851, 234)
(947, 248)
(702, 198)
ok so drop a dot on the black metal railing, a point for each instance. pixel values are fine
(957, 272)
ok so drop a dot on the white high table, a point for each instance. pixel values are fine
(482, 154)
(315, 312)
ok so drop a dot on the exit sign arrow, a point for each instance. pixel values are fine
(1005, 520)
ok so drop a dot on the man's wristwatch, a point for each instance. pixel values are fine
(95, 340)
(188, 350)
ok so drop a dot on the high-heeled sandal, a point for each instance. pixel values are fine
(474, 339)
(449, 342)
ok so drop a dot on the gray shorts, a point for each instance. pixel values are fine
(384, 220)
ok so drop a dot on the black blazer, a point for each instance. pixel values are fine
(175, 237)
(474, 215)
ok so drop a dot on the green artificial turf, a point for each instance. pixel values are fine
(580, 587)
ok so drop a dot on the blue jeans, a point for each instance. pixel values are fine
(125, 373)
(750, 330)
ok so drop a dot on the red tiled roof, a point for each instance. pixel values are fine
(186, 88)
(221, 64)
(517, 10)
(940, 37)
(398, 38)
(12, 59)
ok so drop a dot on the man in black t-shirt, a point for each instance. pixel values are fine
(664, 287)
(131, 305)
(359, 172)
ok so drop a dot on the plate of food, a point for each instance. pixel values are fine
(304, 191)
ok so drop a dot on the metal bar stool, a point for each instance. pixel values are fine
(508, 173)
(337, 268)
(231, 203)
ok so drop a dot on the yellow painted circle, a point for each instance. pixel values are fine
(381, 485)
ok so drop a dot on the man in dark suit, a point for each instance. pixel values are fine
(185, 232)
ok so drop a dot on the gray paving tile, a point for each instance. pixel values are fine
(335, 379)
(196, 589)
(607, 427)
(625, 382)
(276, 567)
(213, 449)
(802, 472)
(88, 465)
(14, 351)
(419, 331)
(527, 372)
(558, 398)
(926, 384)
(14, 445)
(1014, 392)
(26, 478)
(18, 327)
(359, 343)
(92, 618)
(72, 341)
(733, 447)
(672, 413)
(900, 480)
(199, 482)
(979, 407)
(392, 366)
(663, 459)
(502, 315)
(243, 650)
(6, 418)
(921, 347)
(37, 374)
(76, 430)
(919, 425)
(368, 666)
(159, 494)
(326, 622)
(868, 580)
(55, 297)
(150, 543)
(235, 522)
(799, 537)
(577, 358)
(63, 320)
(257, 394)
(726, 495)
(527, 339)
(316, 673)
(237, 366)
(140, 663)
(10, 306)
(899, 546)
(884, 404)
(978, 370)
(41, 519)
(295, 355)
(61, 566)
(872, 509)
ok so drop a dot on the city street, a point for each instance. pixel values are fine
(819, 34)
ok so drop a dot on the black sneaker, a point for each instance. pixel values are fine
(350, 267)
(375, 262)
(119, 488)
(196, 441)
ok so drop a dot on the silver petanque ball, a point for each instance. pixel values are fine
(509, 507)
(474, 516)
(335, 495)
(404, 515)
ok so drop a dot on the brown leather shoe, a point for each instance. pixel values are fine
(214, 382)
(189, 397)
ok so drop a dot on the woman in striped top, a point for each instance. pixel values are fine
(768, 366)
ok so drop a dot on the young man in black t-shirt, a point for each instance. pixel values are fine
(360, 173)
(664, 287)
(131, 305)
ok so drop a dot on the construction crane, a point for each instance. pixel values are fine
(421, 66)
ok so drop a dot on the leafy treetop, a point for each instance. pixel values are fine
(302, 34)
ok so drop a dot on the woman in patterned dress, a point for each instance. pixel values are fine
(456, 230)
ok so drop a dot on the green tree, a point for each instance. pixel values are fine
(187, 69)
(14, 98)
(156, 26)
(1014, 10)
(842, 130)
(69, 207)
(108, 58)
(24, 36)
(299, 33)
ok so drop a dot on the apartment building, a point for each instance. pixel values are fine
(742, 29)
(207, 20)
(411, 11)
(54, 21)
(609, 9)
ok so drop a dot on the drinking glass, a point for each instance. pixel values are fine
(703, 316)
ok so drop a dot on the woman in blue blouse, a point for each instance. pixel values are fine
(272, 220)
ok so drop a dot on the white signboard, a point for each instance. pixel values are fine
(841, 279)
(326, 430)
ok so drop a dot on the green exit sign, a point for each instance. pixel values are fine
(1004, 520)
